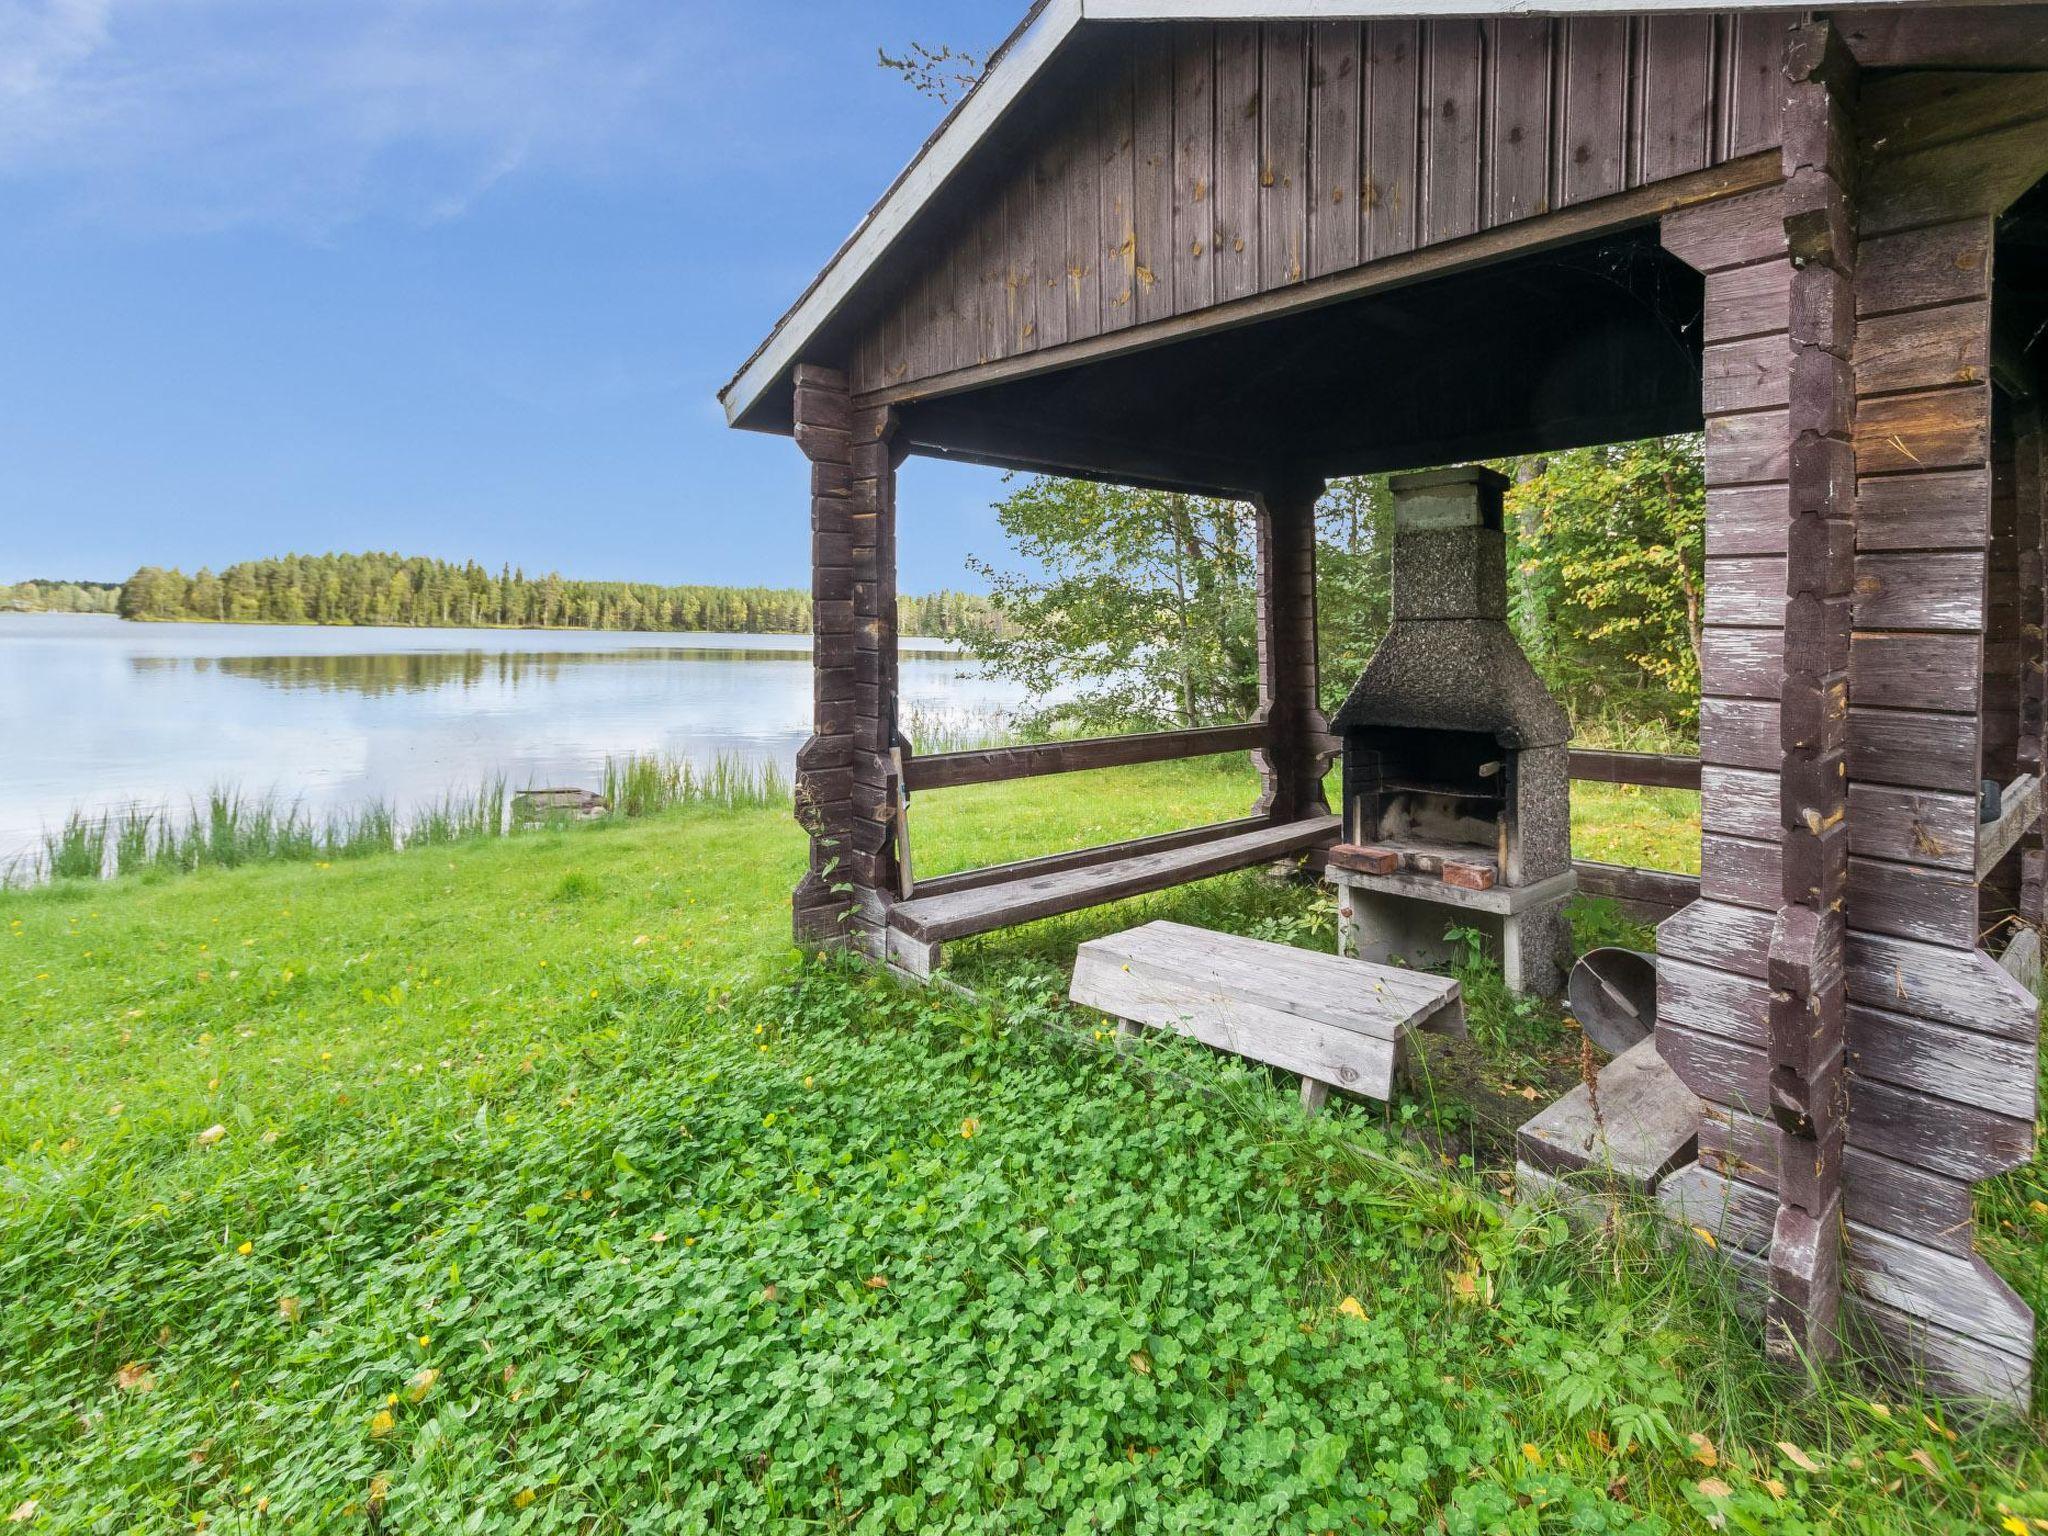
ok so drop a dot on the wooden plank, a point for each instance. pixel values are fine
(1965, 988)
(1595, 107)
(1909, 901)
(1355, 1062)
(1194, 167)
(1923, 348)
(1986, 1071)
(1453, 129)
(1116, 192)
(1749, 375)
(1084, 231)
(1925, 591)
(1153, 171)
(1977, 175)
(1755, 81)
(1729, 231)
(955, 915)
(1659, 770)
(1740, 869)
(1740, 802)
(2021, 813)
(1236, 213)
(1957, 1291)
(1518, 138)
(1918, 672)
(945, 770)
(1336, 70)
(1677, 63)
(1748, 449)
(1717, 935)
(1749, 589)
(1948, 37)
(1877, 1191)
(1741, 663)
(1379, 1000)
(1943, 264)
(1021, 276)
(1748, 301)
(1747, 519)
(1085, 858)
(1739, 733)
(1950, 509)
(1650, 889)
(1911, 749)
(1049, 239)
(1283, 155)
(1390, 190)
(1916, 826)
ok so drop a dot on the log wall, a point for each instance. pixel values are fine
(1942, 1044)
(1211, 162)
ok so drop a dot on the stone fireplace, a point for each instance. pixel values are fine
(1457, 800)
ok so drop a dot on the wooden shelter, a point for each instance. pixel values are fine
(1238, 246)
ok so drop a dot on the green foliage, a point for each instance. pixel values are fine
(39, 596)
(1609, 555)
(1138, 601)
(391, 589)
(598, 1224)
(1145, 600)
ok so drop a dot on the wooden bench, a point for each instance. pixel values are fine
(1337, 1022)
(981, 901)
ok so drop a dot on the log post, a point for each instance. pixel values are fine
(1292, 766)
(841, 794)
(1806, 1036)
(2032, 626)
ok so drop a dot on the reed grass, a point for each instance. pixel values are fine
(227, 828)
(643, 784)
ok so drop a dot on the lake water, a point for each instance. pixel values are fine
(99, 714)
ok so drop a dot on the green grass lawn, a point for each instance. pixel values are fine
(533, 1185)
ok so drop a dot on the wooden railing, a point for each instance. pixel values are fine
(1653, 770)
(948, 770)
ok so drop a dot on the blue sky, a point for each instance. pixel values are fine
(453, 277)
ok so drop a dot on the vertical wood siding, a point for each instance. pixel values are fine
(1208, 162)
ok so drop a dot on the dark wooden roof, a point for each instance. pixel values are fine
(1071, 275)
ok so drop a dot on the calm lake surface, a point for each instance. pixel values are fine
(99, 714)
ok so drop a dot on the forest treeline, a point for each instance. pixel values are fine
(39, 596)
(393, 589)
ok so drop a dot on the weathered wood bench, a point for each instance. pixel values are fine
(1339, 1023)
(955, 907)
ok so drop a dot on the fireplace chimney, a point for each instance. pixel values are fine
(1456, 784)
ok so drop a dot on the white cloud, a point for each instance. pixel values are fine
(310, 114)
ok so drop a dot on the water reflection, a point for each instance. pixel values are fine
(149, 714)
(374, 673)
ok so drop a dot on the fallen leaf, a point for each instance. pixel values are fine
(1531, 1454)
(1705, 1236)
(1777, 1489)
(1703, 1450)
(523, 1498)
(135, 1377)
(970, 1128)
(1797, 1457)
(212, 1134)
(289, 1309)
(1714, 1488)
(23, 1512)
(380, 1485)
(1140, 1363)
(422, 1383)
(1926, 1461)
(876, 1282)
(1349, 1307)
(381, 1424)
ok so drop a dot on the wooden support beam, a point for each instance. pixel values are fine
(1805, 1038)
(1293, 761)
(843, 771)
(1655, 770)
